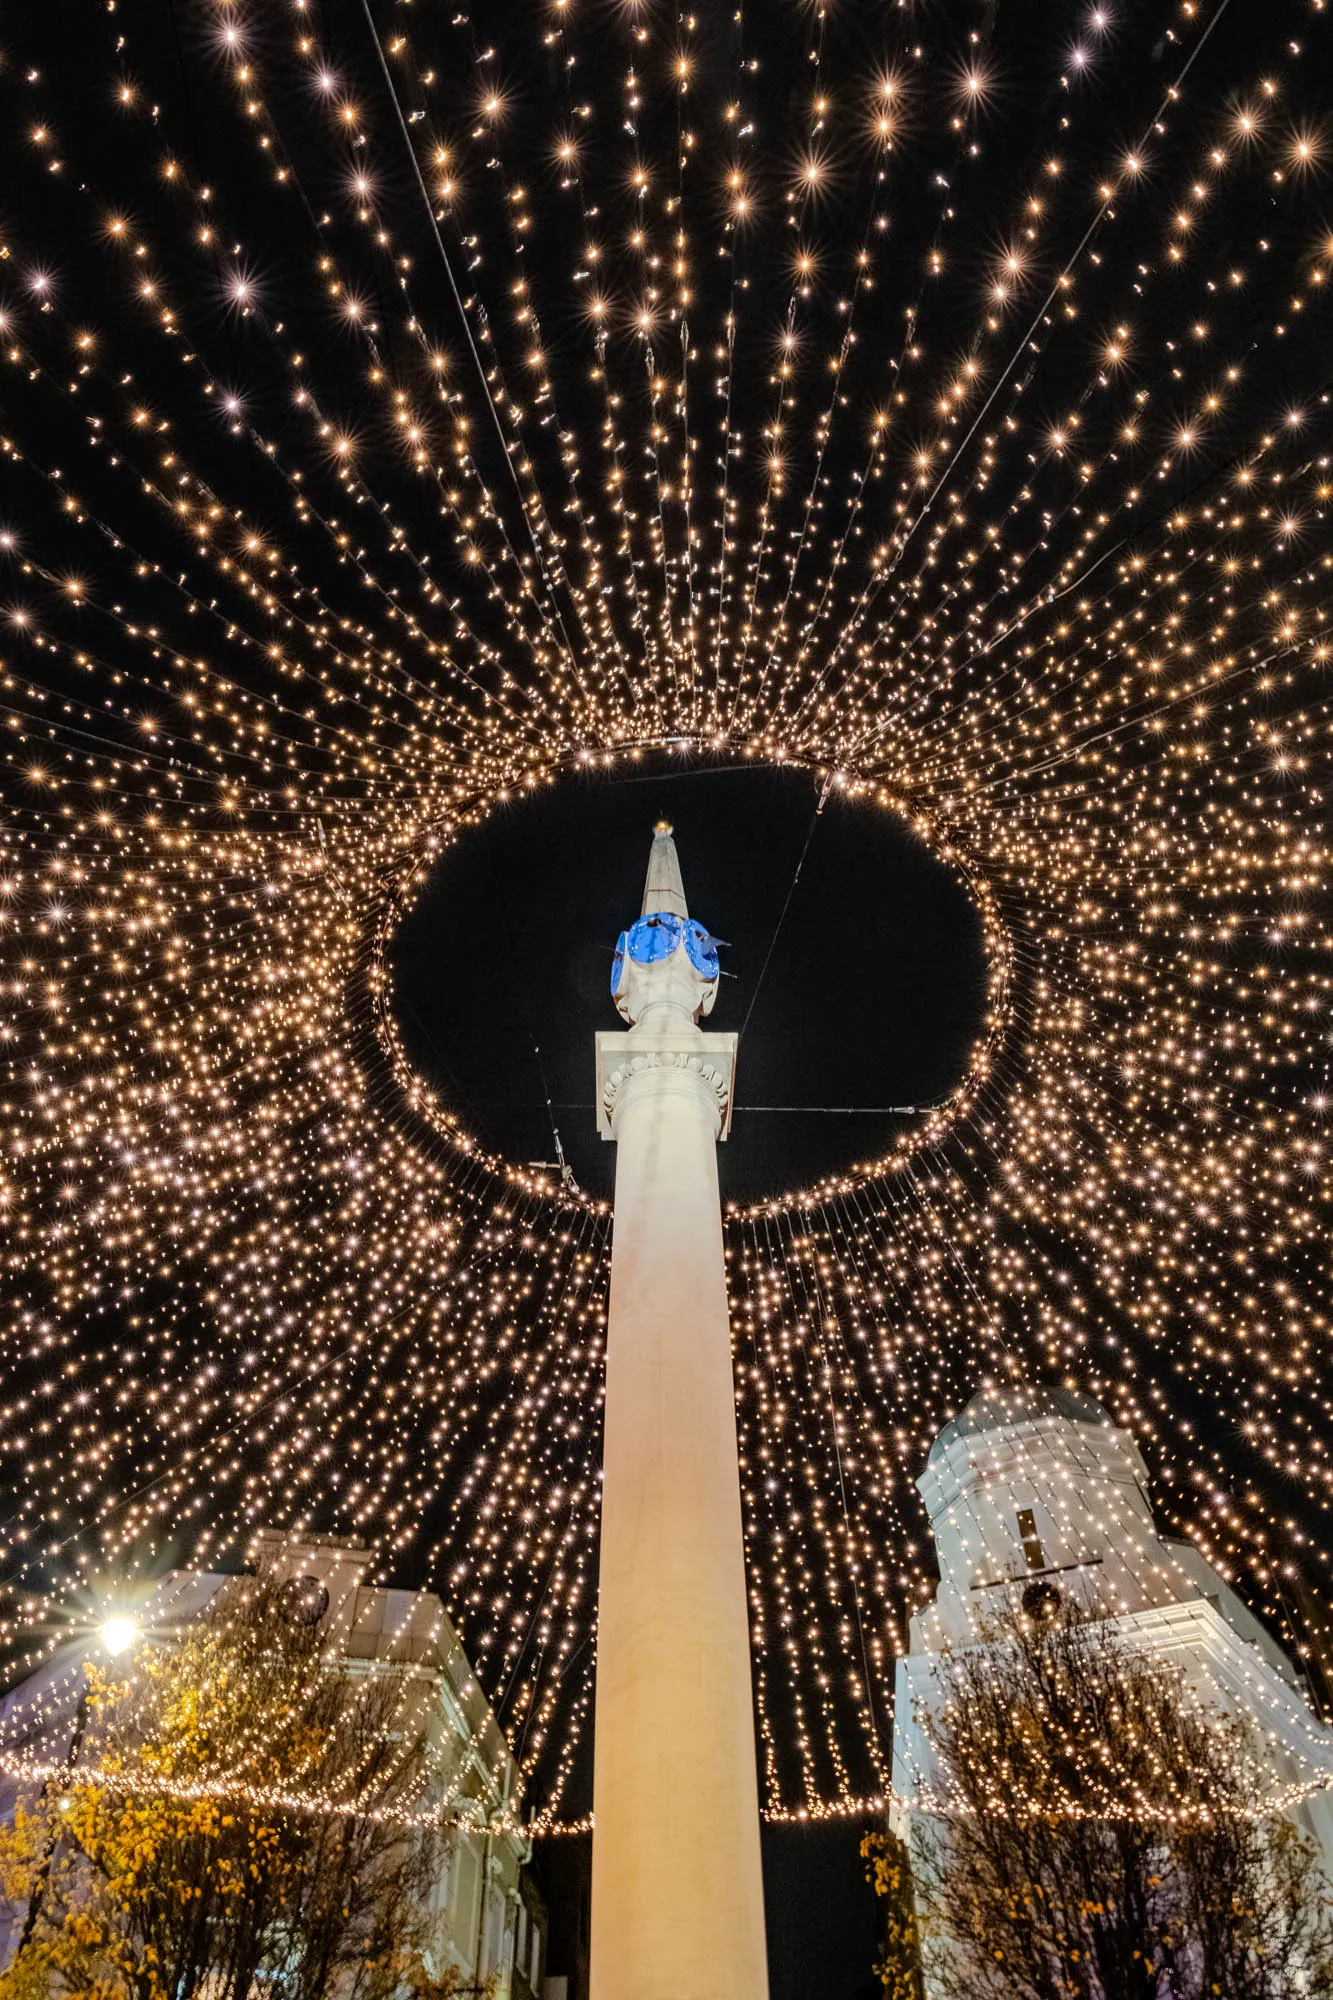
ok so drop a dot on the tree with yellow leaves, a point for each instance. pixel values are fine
(244, 1815)
(889, 1873)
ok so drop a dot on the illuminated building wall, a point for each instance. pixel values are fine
(1036, 1498)
(492, 1922)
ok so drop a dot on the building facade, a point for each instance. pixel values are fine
(1037, 1499)
(490, 1919)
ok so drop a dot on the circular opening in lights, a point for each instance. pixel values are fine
(864, 972)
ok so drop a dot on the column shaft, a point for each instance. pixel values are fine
(677, 1892)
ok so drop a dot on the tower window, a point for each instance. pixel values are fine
(1034, 1553)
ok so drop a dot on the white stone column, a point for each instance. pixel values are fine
(677, 1889)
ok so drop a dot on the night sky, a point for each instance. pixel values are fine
(873, 994)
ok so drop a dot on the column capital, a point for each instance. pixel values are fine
(623, 1056)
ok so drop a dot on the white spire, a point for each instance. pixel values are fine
(664, 890)
(665, 965)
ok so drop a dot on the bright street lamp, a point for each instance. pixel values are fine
(118, 1633)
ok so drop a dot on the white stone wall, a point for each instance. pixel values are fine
(1079, 1489)
(478, 1897)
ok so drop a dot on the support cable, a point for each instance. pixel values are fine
(782, 917)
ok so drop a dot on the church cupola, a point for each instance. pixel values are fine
(1035, 1493)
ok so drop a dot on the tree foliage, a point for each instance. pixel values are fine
(1104, 1835)
(889, 1872)
(243, 1817)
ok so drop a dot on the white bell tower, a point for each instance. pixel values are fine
(1037, 1501)
(677, 1892)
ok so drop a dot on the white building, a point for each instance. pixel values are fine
(1035, 1495)
(492, 1922)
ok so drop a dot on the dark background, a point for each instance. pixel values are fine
(823, 1928)
(873, 995)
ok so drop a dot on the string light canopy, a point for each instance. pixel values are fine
(405, 409)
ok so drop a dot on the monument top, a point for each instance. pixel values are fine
(664, 890)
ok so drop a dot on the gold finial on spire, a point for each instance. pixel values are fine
(664, 826)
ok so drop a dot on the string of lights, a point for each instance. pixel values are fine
(417, 412)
